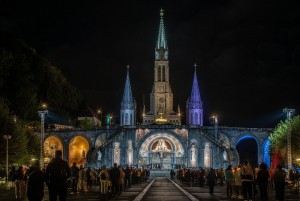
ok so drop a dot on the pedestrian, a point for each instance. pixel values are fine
(263, 181)
(121, 179)
(57, 173)
(229, 179)
(127, 179)
(238, 182)
(89, 181)
(74, 177)
(35, 183)
(20, 183)
(10, 176)
(104, 180)
(81, 175)
(114, 175)
(211, 180)
(279, 180)
(247, 181)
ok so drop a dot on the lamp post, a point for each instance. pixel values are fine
(289, 113)
(42, 115)
(7, 137)
(99, 112)
(217, 154)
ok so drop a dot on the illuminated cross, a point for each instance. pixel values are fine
(161, 12)
(195, 65)
(127, 66)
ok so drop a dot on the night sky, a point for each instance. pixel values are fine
(247, 51)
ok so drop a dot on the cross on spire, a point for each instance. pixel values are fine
(161, 12)
(195, 65)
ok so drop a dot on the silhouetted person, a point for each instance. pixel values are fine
(57, 173)
(279, 180)
(35, 183)
(114, 175)
(74, 177)
(211, 180)
(263, 181)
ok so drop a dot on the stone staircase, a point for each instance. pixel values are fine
(159, 173)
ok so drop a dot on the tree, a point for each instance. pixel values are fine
(278, 139)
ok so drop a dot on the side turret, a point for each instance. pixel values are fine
(128, 105)
(194, 105)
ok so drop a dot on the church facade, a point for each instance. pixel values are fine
(161, 141)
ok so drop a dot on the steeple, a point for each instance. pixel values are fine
(161, 49)
(127, 96)
(195, 95)
(128, 105)
(194, 104)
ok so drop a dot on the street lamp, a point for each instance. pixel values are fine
(7, 137)
(289, 113)
(99, 112)
(42, 115)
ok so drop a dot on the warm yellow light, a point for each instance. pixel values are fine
(44, 105)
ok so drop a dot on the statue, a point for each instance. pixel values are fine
(99, 154)
(193, 152)
(83, 154)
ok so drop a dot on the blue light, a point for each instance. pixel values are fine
(266, 147)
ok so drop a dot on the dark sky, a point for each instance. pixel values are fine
(248, 52)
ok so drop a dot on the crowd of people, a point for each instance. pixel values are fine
(60, 178)
(242, 181)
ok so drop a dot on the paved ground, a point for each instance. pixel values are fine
(155, 189)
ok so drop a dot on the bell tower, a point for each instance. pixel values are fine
(161, 97)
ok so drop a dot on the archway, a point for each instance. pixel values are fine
(248, 150)
(78, 149)
(51, 144)
(161, 151)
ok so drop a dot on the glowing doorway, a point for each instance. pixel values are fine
(78, 149)
(51, 144)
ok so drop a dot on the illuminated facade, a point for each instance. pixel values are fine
(161, 141)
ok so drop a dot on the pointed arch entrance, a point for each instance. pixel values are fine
(78, 149)
(161, 151)
(51, 144)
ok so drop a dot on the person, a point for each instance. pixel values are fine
(238, 182)
(120, 179)
(247, 180)
(114, 175)
(10, 176)
(127, 179)
(89, 181)
(104, 180)
(172, 174)
(20, 182)
(81, 174)
(262, 180)
(279, 180)
(74, 177)
(57, 173)
(229, 179)
(35, 183)
(211, 180)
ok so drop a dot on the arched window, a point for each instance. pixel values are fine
(207, 155)
(131, 119)
(196, 118)
(126, 119)
(191, 119)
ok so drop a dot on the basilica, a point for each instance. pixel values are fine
(161, 141)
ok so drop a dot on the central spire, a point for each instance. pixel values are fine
(161, 49)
